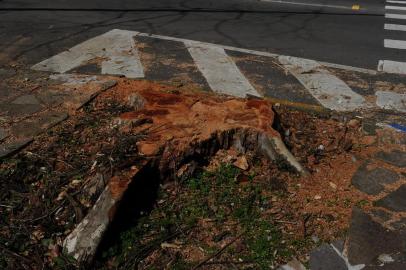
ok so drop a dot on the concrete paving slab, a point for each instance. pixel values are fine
(372, 181)
(395, 201)
(339, 245)
(12, 147)
(34, 126)
(396, 158)
(368, 239)
(20, 110)
(326, 258)
(381, 215)
(400, 224)
(26, 100)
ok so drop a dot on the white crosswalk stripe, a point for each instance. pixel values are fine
(394, 44)
(395, 27)
(395, 7)
(329, 90)
(220, 71)
(116, 48)
(391, 101)
(391, 65)
(318, 81)
(396, 2)
(116, 52)
(395, 16)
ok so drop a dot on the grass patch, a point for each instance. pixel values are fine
(198, 217)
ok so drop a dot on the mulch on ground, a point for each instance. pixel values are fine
(48, 188)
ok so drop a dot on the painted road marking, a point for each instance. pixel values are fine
(391, 101)
(392, 66)
(118, 55)
(395, 7)
(321, 84)
(92, 48)
(116, 49)
(220, 71)
(394, 44)
(260, 53)
(396, 2)
(329, 90)
(395, 27)
(395, 16)
(307, 4)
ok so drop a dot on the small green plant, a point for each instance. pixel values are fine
(220, 199)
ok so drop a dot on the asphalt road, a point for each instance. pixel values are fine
(329, 31)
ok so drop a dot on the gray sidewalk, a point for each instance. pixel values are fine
(32, 102)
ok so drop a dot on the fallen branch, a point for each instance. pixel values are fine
(43, 216)
(218, 252)
(229, 262)
(285, 221)
(150, 246)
